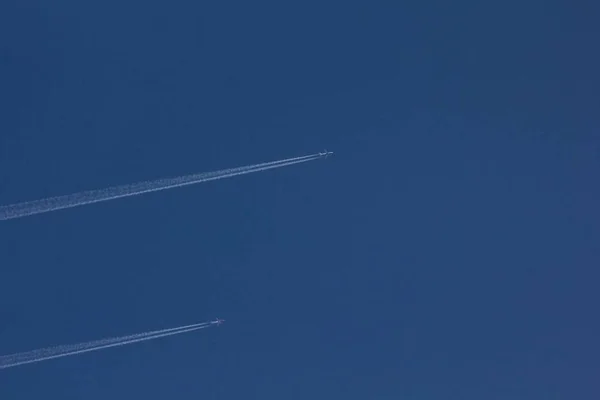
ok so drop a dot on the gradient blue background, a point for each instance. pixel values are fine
(448, 250)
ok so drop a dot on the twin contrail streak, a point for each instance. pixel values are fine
(49, 353)
(24, 209)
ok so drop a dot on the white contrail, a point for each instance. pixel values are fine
(24, 209)
(49, 353)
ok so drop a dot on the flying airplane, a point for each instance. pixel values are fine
(326, 153)
(218, 321)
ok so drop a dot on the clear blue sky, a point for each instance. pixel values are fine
(448, 250)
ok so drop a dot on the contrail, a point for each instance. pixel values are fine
(49, 353)
(24, 209)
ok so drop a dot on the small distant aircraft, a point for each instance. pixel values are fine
(218, 321)
(325, 153)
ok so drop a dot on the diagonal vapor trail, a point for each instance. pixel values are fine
(19, 210)
(49, 353)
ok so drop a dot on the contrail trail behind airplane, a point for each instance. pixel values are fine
(24, 209)
(49, 353)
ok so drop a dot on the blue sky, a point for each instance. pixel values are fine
(448, 250)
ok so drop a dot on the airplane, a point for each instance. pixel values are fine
(218, 321)
(325, 153)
